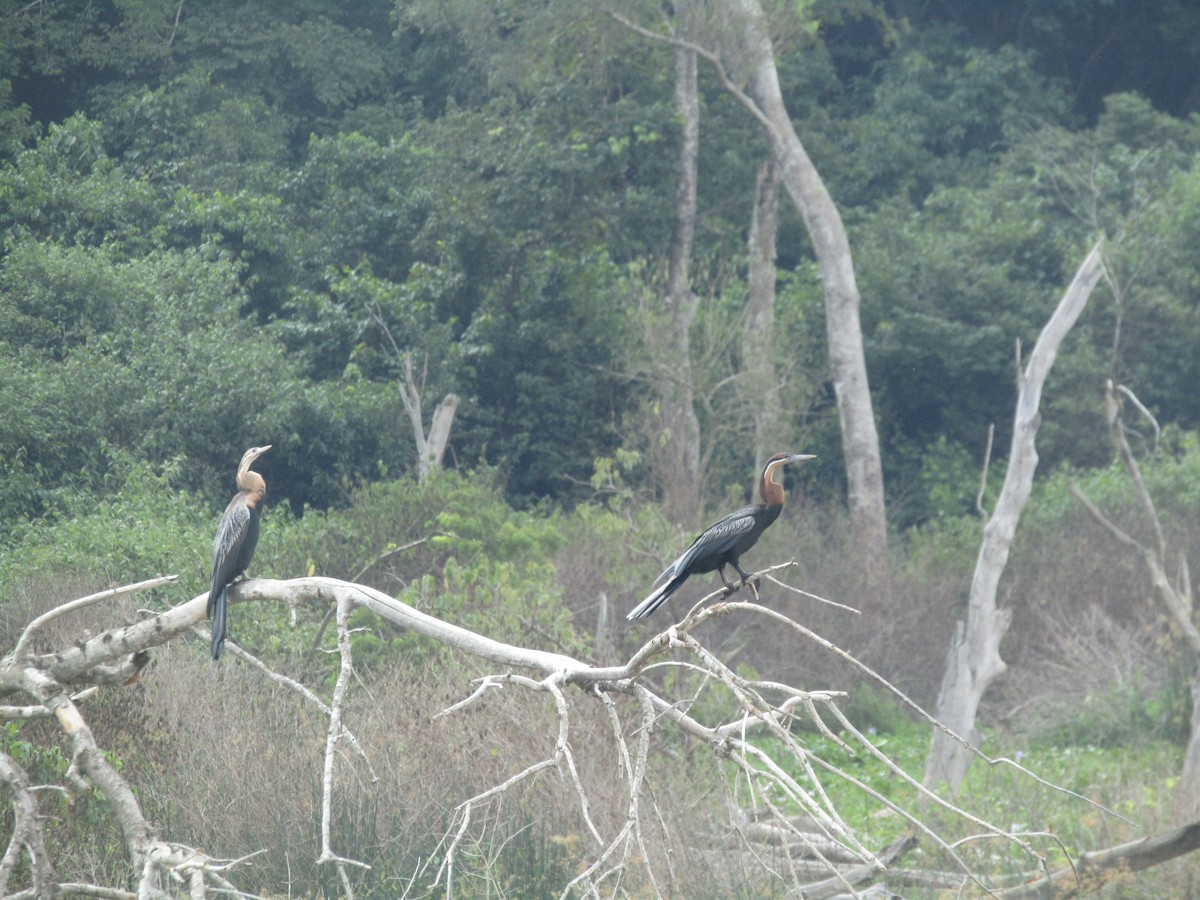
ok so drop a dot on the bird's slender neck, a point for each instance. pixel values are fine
(251, 482)
(768, 487)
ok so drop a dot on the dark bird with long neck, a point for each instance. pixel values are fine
(722, 543)
(237, 536)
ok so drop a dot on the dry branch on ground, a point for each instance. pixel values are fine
(795, 837)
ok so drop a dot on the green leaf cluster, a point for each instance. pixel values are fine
(210, 210)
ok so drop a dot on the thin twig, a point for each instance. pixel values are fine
(294, 685)
(1132, 397)
(983, 474)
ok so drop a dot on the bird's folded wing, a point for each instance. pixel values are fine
(717, 537)
(230, 535)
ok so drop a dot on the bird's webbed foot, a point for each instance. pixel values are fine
(749, 580)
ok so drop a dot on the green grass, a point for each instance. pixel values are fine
(1132, 789)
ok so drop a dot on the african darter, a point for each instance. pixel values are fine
(237, 536)
(723, 543)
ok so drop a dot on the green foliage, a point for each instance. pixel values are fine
(932, 113)
(68, 189)
(196, 131)
(551, 314)
(950, 289)
(494, 571)
(355, 198)
(485, 169)
(1170, 475)
(145, 527)
(1128, 715)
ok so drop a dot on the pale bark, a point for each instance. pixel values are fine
(1176, 598)
(26, 833)
(781, 781)
(973, 661)
(677, 449)
(333, 735)
(847, 360)
(758, 362)
(431, 444)
(431, 447)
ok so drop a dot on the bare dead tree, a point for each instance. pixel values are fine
(758, 365)
(743, 55)
(431, 445)
(675, 450)
(973, 661)
(1175, 595)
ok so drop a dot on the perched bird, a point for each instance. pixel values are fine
(723, 543)
(237, 536)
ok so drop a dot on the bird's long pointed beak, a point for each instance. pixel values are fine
(801, 457)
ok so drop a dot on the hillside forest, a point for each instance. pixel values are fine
(522, 298)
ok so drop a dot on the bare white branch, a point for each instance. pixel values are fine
(817, 850)
(334, 733)
(32, 628)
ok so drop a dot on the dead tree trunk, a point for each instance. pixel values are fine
(847, 361)
(1177, 598)
(758, 364)
(974, 658)
(678, 453)
(1092, 871)
(431, 447)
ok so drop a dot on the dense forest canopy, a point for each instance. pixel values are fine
(308, 224)
(207, 210)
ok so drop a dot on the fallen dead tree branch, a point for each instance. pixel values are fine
(1091, 871)
(796, 837)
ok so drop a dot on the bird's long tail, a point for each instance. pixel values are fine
(216, 608)
(657, 598)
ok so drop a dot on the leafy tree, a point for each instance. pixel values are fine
(1095, 49)
(68, 189)
(544, 395)
(933, 113)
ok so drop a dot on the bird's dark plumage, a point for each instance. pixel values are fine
(723, 543)
(237, 536)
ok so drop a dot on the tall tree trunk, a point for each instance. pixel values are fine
(431, 447)
(974, 662)
(847, 362)
(758, 366)
(678, 450)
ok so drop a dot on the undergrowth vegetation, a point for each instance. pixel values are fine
(1093, 702)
